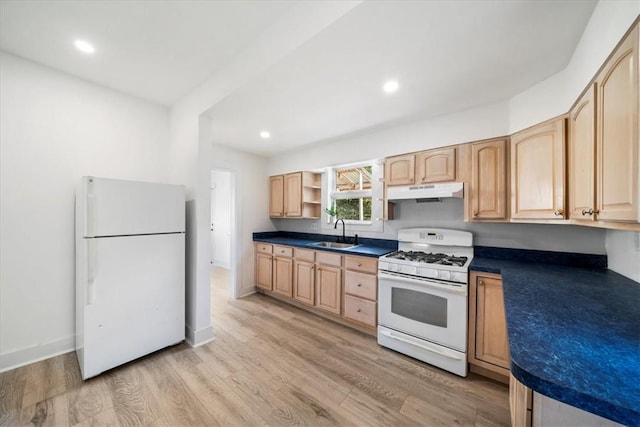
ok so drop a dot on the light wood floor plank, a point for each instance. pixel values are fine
(271, 364)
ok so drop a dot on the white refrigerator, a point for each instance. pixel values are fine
(130, 271)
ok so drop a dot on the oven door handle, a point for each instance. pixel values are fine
(443, 353)
(451, 289)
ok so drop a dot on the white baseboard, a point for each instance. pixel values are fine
(36, 353)
(246, 292)
(200, 337)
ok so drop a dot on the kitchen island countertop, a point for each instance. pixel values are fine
(574, 334)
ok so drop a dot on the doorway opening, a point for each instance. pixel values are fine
(222, 235)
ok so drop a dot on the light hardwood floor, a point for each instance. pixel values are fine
(271, 364)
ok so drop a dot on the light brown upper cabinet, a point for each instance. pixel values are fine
(489, 180)
(603, 143)
(399, 170)
(436, 166)
(617, 134)
(295, 195)
(537, 172)
(582, 157)
(276, 201)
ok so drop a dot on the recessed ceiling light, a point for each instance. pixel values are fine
(391, 86)
(84, 46)
(265, 135)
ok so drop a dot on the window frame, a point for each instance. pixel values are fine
(376, 193)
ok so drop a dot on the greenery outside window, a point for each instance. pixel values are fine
(351, 195)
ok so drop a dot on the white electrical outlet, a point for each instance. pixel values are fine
(636, 241)
(314, 225)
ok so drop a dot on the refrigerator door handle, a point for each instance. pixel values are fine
(91, 210)
(91, 271)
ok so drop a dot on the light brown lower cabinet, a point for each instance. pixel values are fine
(361, 290)
(304, 288)
(329, 282)
(345, 287)
(283, 271)
(264, 266)
(532, 409)
(520, 403)
(488, 344)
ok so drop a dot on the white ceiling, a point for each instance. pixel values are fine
(447, 55)
(154, 49)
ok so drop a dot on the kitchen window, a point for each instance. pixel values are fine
(355, 193)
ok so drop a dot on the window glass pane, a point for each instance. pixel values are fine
(354, 209)
(350, 179)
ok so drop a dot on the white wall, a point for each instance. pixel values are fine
(554, 96)
(623, 249)
(54, 129)
(543, 101)
(449, 214)
(251, 207)
(478, 123)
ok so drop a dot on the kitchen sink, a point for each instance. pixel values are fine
(335, 245)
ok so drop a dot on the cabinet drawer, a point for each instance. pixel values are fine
(283, 251)
(366, 265)
(304, 255)
(360, 310)
(328, 258)
(264, 248)
(360, 284)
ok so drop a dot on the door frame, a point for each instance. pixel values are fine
(234, 274)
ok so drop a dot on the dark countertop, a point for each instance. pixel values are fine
(368, 247)
(574, 332)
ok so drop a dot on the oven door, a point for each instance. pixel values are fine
(424, 308)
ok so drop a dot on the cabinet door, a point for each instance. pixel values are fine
(293, 194)
(491, 344)
(276, 200)
(582, 157)
(328, 288)
(436, 166)
(488, 180)
(399, 170)
(537, 171)
(263, 271)
(282, 276)
(303, 282)
(520, 403)
(617, 136)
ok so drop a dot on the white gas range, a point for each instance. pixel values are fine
(422, 296)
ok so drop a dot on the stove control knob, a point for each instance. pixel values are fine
(444, 275)
(383, 265)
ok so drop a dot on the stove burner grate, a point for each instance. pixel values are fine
(429, 258)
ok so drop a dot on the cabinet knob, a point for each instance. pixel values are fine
(359, 284)
(358, 311)
(475, 213)
(480, 282)
(359, 265)
(589, 212)
(558, 212)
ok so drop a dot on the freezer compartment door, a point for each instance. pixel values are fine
(134, 301)
(111, 207)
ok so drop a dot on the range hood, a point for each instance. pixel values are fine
(426, 192)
